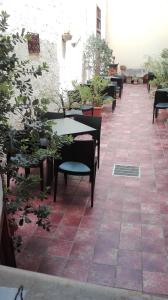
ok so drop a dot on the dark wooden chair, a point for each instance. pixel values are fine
(160, 101)
(77, 159)
(94, 122)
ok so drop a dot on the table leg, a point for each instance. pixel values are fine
(49, 171)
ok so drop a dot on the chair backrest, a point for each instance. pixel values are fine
(161, 96)
(50, 115)
(74, 96)
(79, 151)
(91, 121)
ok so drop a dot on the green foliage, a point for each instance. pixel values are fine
(97, 87)
(159, 67)
(97, 55)
(84, 91)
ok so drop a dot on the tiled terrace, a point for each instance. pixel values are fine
(123, 240)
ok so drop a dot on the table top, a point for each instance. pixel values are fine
(69, 126)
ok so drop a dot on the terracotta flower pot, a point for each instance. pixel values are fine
(97, 111)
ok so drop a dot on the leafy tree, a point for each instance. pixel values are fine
(97, 55)
(159, 67)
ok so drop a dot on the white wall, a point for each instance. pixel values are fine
(137, 29)
(51, 19)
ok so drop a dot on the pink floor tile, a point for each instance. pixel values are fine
(129, 279)
(59, 248)
(155, 262)
(155, 282)
(102, 274)
(64, 232)
(52, 265)
(130, 259)
(76, 269)
(82, 250)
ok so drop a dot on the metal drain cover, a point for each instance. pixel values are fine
(123, 170)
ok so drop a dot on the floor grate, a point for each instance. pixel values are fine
(123, 170)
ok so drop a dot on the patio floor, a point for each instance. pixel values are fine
(123, 240)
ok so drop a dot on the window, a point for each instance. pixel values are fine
(33, 43)
(98, 21)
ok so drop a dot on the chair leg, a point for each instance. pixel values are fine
(49, 171)
(153, 115)
(55, 186)
(27, 172)
(92, 188)
(41, 176)
(65, 178)
(98, 155)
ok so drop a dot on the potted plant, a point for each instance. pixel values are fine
(97, 55)
(97, 88)
(66, 36)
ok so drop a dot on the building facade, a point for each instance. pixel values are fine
(48, 22)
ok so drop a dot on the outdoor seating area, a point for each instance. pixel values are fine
(122, 240)
(83, 151)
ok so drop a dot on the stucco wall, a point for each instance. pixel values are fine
(137, 29)
(51, 19)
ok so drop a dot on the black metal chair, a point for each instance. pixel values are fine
(75, 97)
(18, 159)
(150, 76)
(77, 159)
(94, 122)
(119, 79)
(160, 101)
(110, 91)
(69, 112)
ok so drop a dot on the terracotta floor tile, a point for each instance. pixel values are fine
(155, 262)
(71, 220)
(60, 248)
(130, 259)
(82, 250)
(129, 279)
(153, 245)
(102, 274)
(130, 243)
(28, 261)
(52, 265)
(76, 269)
(131, 217)
(105, 254)
(152, 231)
(155, 282)
(125, 234)
(64, 232)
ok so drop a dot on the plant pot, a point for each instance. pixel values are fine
(97, 111)
(66, 37)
